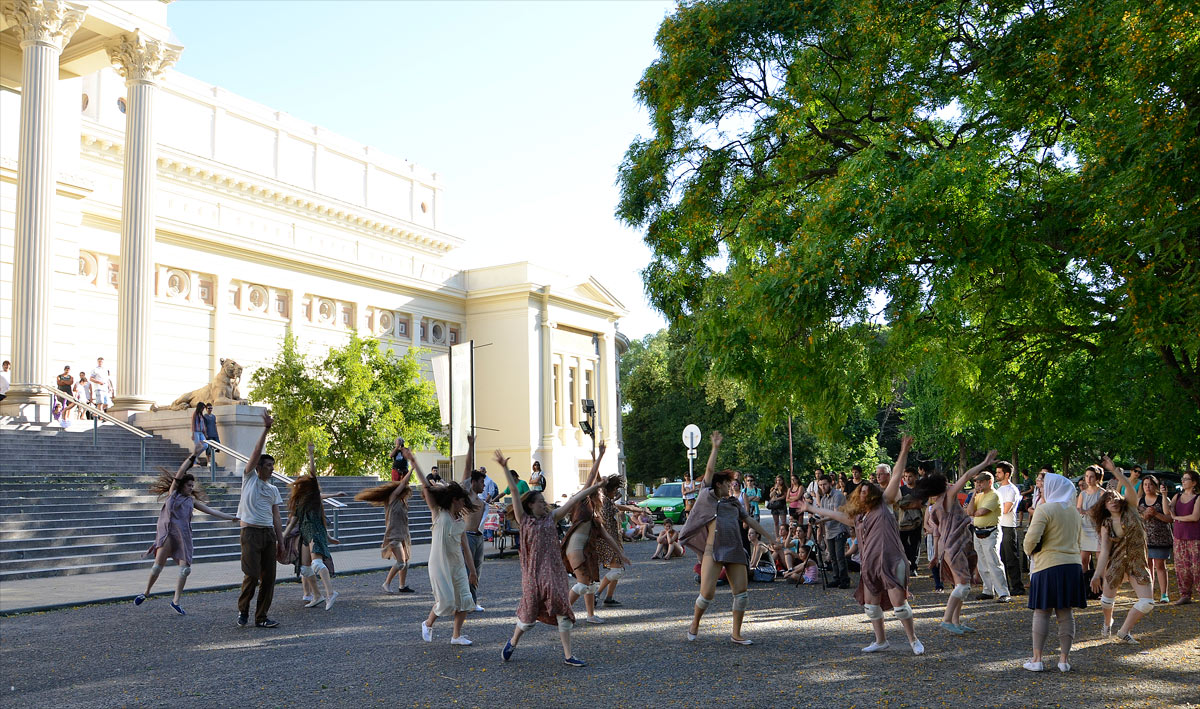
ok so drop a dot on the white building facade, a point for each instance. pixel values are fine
(164, 224)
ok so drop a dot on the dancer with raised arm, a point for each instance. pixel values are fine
(544, 594)
(953, 544)
(397, 541)
(449, 576)
(714, 531)
(1055, 574)
(1122, 554)
(306, 512)
(579, 547)
(262, 534)
(473, 483)
(612, 557)
(173, 537)
(883, 581)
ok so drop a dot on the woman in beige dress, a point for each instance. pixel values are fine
(397, 540)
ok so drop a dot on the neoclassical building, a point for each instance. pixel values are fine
(163, 223)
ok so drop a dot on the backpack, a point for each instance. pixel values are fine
(765, 571)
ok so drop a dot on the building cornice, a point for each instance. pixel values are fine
(533, 291)
(66, 185)
(213, 176)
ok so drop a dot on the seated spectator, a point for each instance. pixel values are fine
(757, 548)
(668, 543)
(805, 570)
(642, 527)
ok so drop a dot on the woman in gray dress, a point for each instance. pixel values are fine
(713, 530)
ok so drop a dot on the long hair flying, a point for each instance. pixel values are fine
(305, 496)
(166, 478)
(443, 496)
(379, 495)
(856, 505)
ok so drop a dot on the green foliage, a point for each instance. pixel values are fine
(351, 405)
(998, 200)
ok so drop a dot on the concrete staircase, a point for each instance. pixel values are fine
(68, 507)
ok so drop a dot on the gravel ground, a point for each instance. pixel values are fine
(368, 651)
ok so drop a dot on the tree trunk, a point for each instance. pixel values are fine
(962, 457)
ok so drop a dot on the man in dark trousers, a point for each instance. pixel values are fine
(262, 536)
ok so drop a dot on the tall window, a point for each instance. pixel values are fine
(587, 384)
(572, 395)
(557, 400)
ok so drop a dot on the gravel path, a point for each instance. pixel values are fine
(368, 651)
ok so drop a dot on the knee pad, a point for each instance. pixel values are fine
(307, 572)
(396, 566)
(565, 624)
(1144, 606)
(523, 627)
(157, 568)
(702, 603)
(184, 571)
(318, 566)
(904, 612)
(873, 611)
(593, 588)
(961, 591)
(615, 574)
(1107, 602)
(403, 564)
(741, 600)
(580, 589)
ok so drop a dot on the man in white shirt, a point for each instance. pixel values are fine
(1010, 498)
(5, 379)
(262, 535)
(102, 388)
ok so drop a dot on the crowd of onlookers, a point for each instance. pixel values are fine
(96, 387)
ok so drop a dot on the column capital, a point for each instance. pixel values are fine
(47, 22)
(141, 59)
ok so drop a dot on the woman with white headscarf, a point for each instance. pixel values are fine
(1056, 576)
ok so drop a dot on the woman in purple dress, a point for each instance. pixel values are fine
(544, 594)
(173, 537)
(883, 582)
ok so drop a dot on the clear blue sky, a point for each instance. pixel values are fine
(524, 108)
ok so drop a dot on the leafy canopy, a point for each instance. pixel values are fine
(351, 405)
(1009, 189)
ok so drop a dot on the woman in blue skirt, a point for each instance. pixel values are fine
(1056, 576)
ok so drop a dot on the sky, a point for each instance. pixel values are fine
(524, 109)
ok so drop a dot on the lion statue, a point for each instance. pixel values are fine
(222, 390)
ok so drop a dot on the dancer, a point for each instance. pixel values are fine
(1055, 575)
(612, 557)
(449, 576)
(261, 535)
(579, 546)
(1186, 514)
(1152, 506)
(544, 594)
(713, 530)
(668, 542)
(397, 542)
(306, 512)
(883, 581)
(173, 537)
(953, 537)
(1122, 555)
(473, 483)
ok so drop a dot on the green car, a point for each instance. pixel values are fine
(666, 503)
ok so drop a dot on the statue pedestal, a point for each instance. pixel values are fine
(238, 427)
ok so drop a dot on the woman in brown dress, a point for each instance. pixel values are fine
(397, 541)
(1122, 555)
(952, 544)
(713, 530)
(544, 594)
(579, 547)
(883, 581)
(612, 557)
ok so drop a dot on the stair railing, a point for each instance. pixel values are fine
(333, 504)
(97, 416)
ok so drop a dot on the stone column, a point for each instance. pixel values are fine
(45, 27)
(141, 60)
(607, 392)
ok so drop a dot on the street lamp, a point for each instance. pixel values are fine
(589, 426)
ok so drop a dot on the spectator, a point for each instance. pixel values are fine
(984, 511)
(83, 391)
(433, 476)
(522, 487)
(210, 425)
(66, 383)
(537, 481)
(399, 464)
(102, 387)
(753, 496)
(854, 481)
(491, 491)
(805, 571)
(1056, 583)
(668, 542)
(5, 379)
(836, 533)
(1153, 509)
(777, 503)
(1186, 514)
(794, 494)
(1010, 498)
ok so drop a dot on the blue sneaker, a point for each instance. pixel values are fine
(951, 627)
(966, 628)
(139, 599)
(507, 652)
(178, 608)
(574, 662)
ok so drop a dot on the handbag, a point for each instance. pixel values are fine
(290, 549)
(764, 572)
(983, 532)
(777, 505)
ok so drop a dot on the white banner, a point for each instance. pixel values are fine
(441, 381)
(462, 400)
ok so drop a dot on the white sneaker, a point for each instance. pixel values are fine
(306, 598)
(1034, 666)
(877, 646)
(918, 648)
(388, 589)
(1128, 639)
(426, 632)
(594, 620)
(691, 638)
(314, 603)
(1064, 667)
(329, 601)
(460, 640)
(478, 608)
(1106, 631)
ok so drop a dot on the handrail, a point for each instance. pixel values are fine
(275, 475)
(97, 416)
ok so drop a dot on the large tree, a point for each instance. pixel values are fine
(1008, 188)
